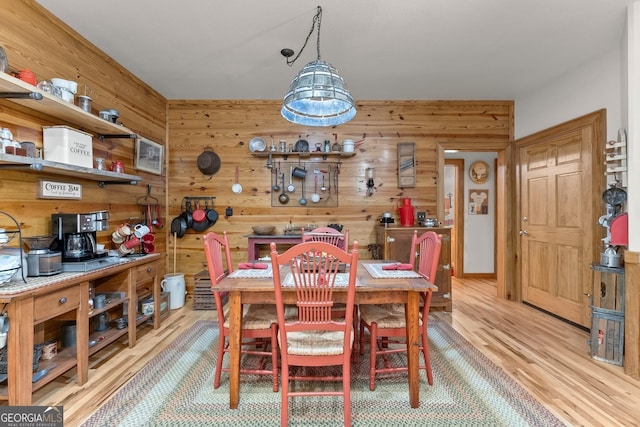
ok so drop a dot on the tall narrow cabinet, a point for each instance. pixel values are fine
(395, 242)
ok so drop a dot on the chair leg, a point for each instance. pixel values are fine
(425, 355)
(221, 344)
(373, 330)
(284, 397)
(361, 338)
(274, 355)
(346, 393)
(356, 336)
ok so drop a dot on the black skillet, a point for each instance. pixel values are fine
(178, 226)
(202, 225)
(186, 214)
(212, 214)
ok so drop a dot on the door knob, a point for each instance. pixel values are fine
(524, 233)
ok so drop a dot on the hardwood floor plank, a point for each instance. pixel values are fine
(548, 357)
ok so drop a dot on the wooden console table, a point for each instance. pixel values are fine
(32, 305)
(253, 240)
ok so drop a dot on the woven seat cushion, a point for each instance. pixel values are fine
(254, 316)
(388, 316)
(316, 343)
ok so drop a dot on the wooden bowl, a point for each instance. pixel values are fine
(263, 229)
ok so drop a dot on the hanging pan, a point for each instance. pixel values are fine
(236, 187)
(208, 163)
(178, 226)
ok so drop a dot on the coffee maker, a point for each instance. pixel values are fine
(75, 236)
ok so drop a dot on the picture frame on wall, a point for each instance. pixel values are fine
(478, 202)
(479, 172)
(149, 156)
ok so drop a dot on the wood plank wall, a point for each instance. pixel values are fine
(34, 39)
(226, 127)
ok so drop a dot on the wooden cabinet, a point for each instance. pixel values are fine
(38, 308)
(395, 242)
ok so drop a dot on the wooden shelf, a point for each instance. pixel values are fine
(56, 107)
(10, 161)
(303, 154)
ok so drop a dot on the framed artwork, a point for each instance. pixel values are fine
(406, 165)
(478, 202)
(479, 172)
(149, 156)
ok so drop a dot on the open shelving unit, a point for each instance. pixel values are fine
(19, 92)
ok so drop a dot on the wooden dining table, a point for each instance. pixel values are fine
(370, 290)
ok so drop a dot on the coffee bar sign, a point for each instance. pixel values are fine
(59, 190)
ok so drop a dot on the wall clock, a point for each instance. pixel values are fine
(479, 172)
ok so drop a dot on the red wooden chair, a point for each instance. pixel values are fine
(313, 337)
(341, 240)
(386, 322)
(259, 321)
(329, 235)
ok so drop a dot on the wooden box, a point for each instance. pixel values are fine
(67, 145)
(607, 335)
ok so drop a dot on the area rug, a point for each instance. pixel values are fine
(176, 389)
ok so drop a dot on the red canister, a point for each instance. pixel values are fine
(27, 76)
(406, 212)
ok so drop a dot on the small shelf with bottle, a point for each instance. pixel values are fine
(11, 161)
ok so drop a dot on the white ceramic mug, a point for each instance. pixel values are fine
(117, 238)
(141, 230)
(123, 250)
(124, 230)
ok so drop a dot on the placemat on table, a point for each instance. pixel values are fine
(254, 273)
(342, 280)
(377, 272)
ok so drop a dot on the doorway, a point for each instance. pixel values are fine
(504, 191)
(454, 212)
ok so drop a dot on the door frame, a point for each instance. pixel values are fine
(458, 215)
(506, 286)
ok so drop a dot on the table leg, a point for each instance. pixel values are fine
(252, 250)
(235, 336)
(413, 346)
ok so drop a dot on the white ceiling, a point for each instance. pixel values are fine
(394, 49)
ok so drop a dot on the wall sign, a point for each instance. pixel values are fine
(58, 190)
(406, 165)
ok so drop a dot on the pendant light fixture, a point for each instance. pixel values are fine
(318, 95)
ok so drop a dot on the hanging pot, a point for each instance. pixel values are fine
(186, 215)
(301, 146)
(201, 226)
(178, 226)
(299, 172)
(209, 163)
(199, 214)
(212, 214)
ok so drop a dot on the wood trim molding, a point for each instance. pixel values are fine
(631, 317)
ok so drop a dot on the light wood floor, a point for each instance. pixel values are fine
(547, 356)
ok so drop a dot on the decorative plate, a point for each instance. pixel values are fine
(479, 172)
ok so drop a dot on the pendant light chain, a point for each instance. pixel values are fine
(318, 19)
